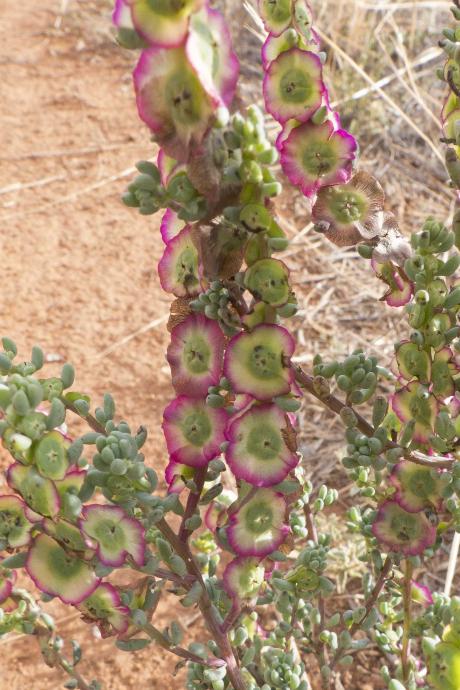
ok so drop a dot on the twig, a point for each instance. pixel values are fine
(405, 650)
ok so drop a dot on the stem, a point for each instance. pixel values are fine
(157, 636)
(89, 419)
(374, 595)
(335, 405)
(192, 503)
(206, 606)
(313, 535)
(407, 602)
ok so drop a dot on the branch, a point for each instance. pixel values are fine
(192, 503)
(335, 405)
(89, 419)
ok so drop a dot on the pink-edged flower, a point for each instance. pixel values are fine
(275, 45)
(115, 535)
(401, 531)
(59, 573)
(209, 50)
(303, 18)
(168, 167)
(413, 362)
(104, 607)
(421, 594)
(39, 493)
(163, 23)
(7, 580)
(314, 156)
(195, 355)
(293, 86)
(258, 527)
(171, 100)
(216, 513)
(178, 268)
(193, 431)
(121, 15)
(243, 578)
(400, 288)
(15, 527)
(347, 213)
(275, 14)
(171, 225)
(257, 362)
(268, 280)
(175, 474)
(66, 534)
(416, 487)
(413, 402)
(72, 482)
(261, 446)
(50, 455)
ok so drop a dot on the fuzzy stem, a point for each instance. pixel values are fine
(335, 405)
(192, 503)
(206, 606)
(407, 602)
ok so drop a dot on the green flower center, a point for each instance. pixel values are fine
(197, 428)
(259, 518)
(421, 484)
(296, 86)
(196, 355)
(319, 158)
(10, 521)
(405, 528)
(264, 363)
(184, 96)
(441, 376)
(62, 564)
(250, 580)
(98, 608)
(264, 442)
(420, 409)
(187, 268)
(268, 280)
(278, 10)
(167, 8)
(347, 206)
(109, 533)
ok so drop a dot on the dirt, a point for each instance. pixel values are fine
(78, 269)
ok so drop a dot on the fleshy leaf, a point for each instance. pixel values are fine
(293, 86)
(193, 431)
(115, 535)
(256, 362)
(258, 527)
(59, 573)
(261, 446)
(314, 156)
(195, 355)
(403, 532)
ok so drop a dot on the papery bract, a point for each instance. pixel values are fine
(421, 594)
(59, 573)
(443, 369)
(178, 267)
(261, 446)
(413, 362)
(293, 86)
(276, 15)
(39, 492)
(66, 534)
(314, 156)
(15, 528)
(258, 527)
(193, 431)
(164, 22)
(401, 531)
(400, 288)
(257, 362)
(115, 534)
(171, 100)
(195, 355)
(171, 225)
(243, 578)
(268, 280)
(105, 608)
(175, 473)
(415, 403)
(416, 487)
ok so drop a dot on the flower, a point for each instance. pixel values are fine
(170, 225)
(416, 487)
(15, 527)
(293, 86)
(314, 156)
(175, 473)
(243, 578)
(401, 531)
(413, 362)
(421, 594)
(105, 608)
(39, 493)
(178, 268)
(50, 455)
(195, 355)
(163, 23)
(400, 288)
(114, 535)
(258, 527)
(256, 362)
(443, 369)
(414, 402)
(347, 213)
(261, 446)
(275, 45)
(193, 431)
(59, 573)
(268, 280)
(275, 14)
(171, 100)
(444, 666)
